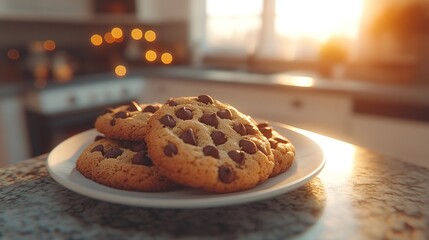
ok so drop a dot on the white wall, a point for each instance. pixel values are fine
(151, 11)
(46, 8)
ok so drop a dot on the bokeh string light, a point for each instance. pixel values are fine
(118, 35)
(49, 45)
(166, 58)
(120, 70)
(13, 54)
(136, 34)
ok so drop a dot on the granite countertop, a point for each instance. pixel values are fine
(358, 195)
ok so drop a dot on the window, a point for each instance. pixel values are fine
(280, 29)
(232, 27)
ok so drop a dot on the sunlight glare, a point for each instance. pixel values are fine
(340, 155)
(318, 19)
(298, 81)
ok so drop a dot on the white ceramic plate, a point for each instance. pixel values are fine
(308, 163)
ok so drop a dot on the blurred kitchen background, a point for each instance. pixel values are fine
(356, 70)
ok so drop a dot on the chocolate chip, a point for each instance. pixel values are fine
(138, 146)
(171, 103)
(168, 120)
(188, 137)
(205, 99)
(250, 130)
(262, 125)
(226, 174)
(225, 114)
(237, 156)
(141, 158)
(126, 144)
(266, 131)
(151, 108)
(134, 107)
(218, 137)
(239, 128)
(281, 140)
(184, 113)
(98, 137)
(113, 153)
(273, 143)
(98, 148)
(170, 149)
(263, 150)
(121, 114)
(248, 146)
(112, 122)
(211, 151)
(209, 119)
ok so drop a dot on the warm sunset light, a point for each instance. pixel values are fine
(96, 40)
(166, 58)
(13, 54)
(341, 155)
(49, 45)
(150, 55)
(120, 70)
(109, 38)
(136, 34)
(297, 81)
(150, 36)
(318, 19)
(116, 32)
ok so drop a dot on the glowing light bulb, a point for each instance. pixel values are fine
(150, 36)
(96, 40)
(120, 70)
(150, 55)
(166, 58)
(136, 34)
(116, 32)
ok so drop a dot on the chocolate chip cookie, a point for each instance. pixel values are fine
(203, 143)
(282, 148)
(123, 165)
(127, 122)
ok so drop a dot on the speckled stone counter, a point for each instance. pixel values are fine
(358, 195)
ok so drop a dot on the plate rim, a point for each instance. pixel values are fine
(226, 199)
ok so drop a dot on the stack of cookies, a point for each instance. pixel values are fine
(196, 142)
